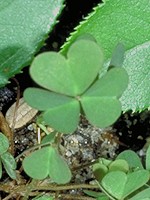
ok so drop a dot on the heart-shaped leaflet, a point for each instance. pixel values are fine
(72, 75)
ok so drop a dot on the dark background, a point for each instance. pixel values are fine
(72, 14)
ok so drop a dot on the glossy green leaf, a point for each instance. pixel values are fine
(37, 163)
(116, 21)
(58, 168)
(143, 195)
(64, 118)
(119, 165)
(9, 164)
(132, 159)
(68, 76)
(24, 26)
(86, 36)
(4, 143)
(148, 159)
(47, 162)
(137, 63)
(101, 111)
(44, 99)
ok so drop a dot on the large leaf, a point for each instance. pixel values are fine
(116, 21)
(121, 21)
(137, 63)
(24, 25)
(71, 76)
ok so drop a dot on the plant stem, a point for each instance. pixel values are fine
(36, 185)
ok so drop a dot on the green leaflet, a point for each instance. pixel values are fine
(47, 162)
(137, 63)
(24, 26)
(67, 76)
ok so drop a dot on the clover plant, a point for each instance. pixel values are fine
(72, 87)
(122, 178)
(85, 77)
(76, 90)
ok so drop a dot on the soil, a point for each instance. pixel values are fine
(88, 143)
